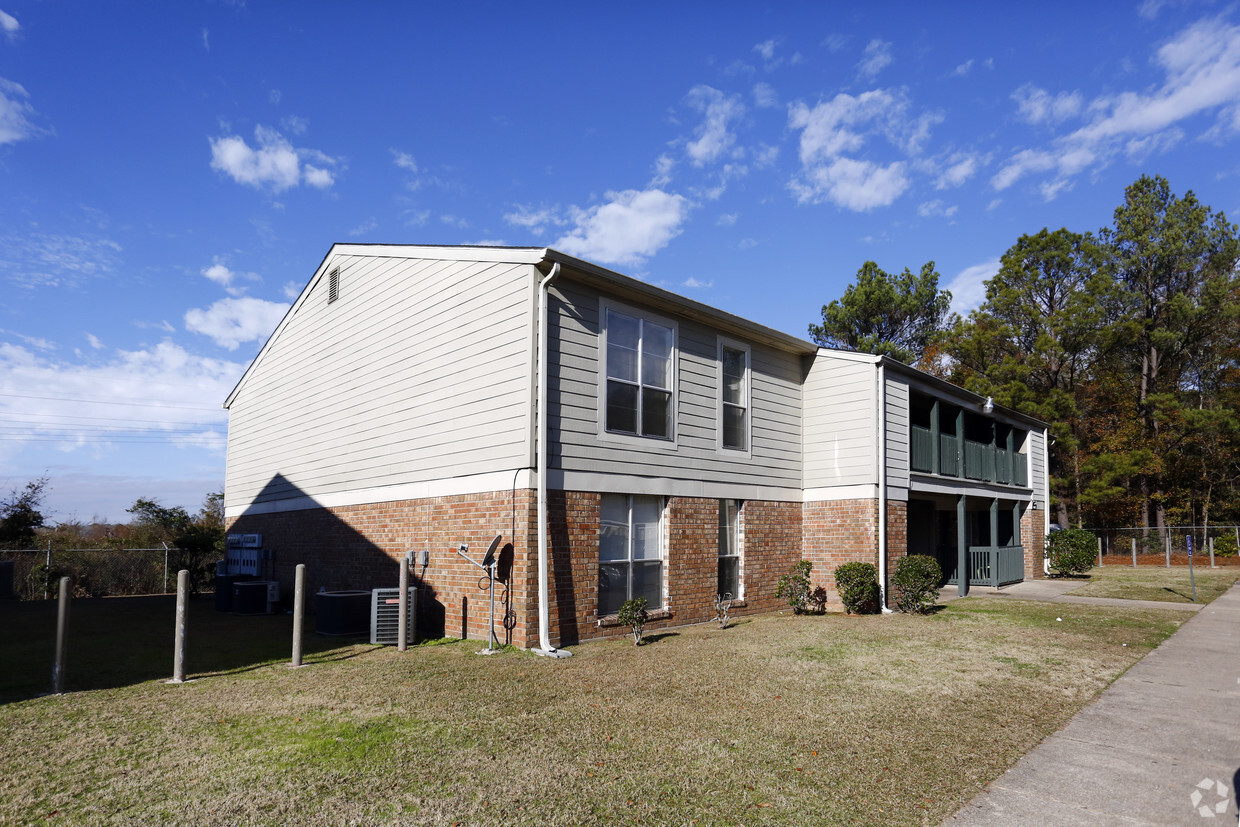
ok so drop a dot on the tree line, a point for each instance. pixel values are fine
(1125, 341)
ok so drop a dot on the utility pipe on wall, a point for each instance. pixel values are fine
(882, 487)
(544, 598)
(1046, 501)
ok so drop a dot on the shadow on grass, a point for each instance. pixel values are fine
(121, 641)
(659, 636)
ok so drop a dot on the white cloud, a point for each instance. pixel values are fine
(487, 242)
(835, 42)
(206, 39)
(695, 284)
(234, 321)
(1201, 64)
(747, 243)
(367, 226)
(766, 49)
(764, 96)
(535, 220)
(404, 160)
(832, 129)
(291, 290)
(968, 288)
(960, 168)
(9, 25)
(714, 138)
(764, 156)
(160, 390)
(94, 341)
(663, 166)
(727, 219)
(219, 273)
(1037, 106)
(855, 185)
(33, 259)
(416, 218)
(965, 68)
(15, 114)
(632, 226)
(274, 96)
(294, 124)
(274, 164)
(454, 221)
(936, 208)
(877, 56)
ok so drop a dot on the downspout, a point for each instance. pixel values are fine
(544, 598)
(1046, 505)
(882, 487)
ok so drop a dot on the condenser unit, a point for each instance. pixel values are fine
(385, 616)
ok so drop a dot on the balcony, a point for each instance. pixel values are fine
(982, 461)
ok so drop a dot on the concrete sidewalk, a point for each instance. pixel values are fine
(1160, 746)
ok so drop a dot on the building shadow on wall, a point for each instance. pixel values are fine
(337, 557)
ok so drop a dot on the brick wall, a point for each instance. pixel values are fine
(846, 531)
(1033, 538)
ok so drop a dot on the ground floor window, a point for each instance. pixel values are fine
(729, 548)
(630, 551)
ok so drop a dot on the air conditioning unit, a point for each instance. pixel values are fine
(385, 616)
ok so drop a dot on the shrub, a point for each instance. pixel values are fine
(1071, 551)
(858, 587)
(634, 615)
(794, 587)
(1225, 545)
(917, 577)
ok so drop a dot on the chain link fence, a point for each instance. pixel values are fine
(1157, 548)
(95, 572)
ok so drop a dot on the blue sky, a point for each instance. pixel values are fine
(172, 173)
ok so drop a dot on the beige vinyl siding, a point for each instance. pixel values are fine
(577, 446)
(840, 418)
(419, 371)
(1037, 466)
(897, 437)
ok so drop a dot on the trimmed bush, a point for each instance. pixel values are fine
(858, 587)
(1224, 545)
(794, 587)
(917, 578)
(1071, 551)
(634, 615)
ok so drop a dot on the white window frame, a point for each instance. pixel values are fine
(738, 552)
(732, 344)
(669, 442)
(661, 557)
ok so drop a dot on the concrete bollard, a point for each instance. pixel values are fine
(62, 629)
(402, 635)
(1212, 553)
(1134, 552)
(178, 648)
(299, 605)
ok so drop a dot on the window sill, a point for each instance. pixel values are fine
(614, 620)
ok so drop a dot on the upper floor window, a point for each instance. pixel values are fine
(733, 396)
(640, 359)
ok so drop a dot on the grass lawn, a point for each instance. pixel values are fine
(1171, 585)
(776, 720)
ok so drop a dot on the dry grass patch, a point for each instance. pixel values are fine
(1171, 585)
(776, 720)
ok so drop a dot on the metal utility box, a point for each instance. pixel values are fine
(342, 612)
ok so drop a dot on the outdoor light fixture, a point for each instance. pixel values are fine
(989, 407)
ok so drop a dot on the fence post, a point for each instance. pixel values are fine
(299, 602)
(1100, 550)
(47, 573)
(178, 650)
(1168, 549)
(1212, 553)
(62, 628)
(1134, 552)
(165, 545)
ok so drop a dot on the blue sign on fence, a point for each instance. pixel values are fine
(1189, 537)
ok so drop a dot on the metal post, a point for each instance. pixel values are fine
(402, 635)
(1191, 578)
(1134, 552)
(47, 572)
(962, 551)
(1168, 549)
(1100, 551)
(491, 637)
(1212, 553)
(165, 545)
(62, 628)
(178, 650)
(299, 604)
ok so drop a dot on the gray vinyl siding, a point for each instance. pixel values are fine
(897, 438)
(840, 416)
(419, 371)
(1037, 466)
(574, 411)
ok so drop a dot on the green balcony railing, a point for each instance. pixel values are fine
(979, 460)
(922, 449)
(949, 448)
(988, 565)
(1020, 469)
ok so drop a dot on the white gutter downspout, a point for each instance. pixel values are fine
(882, 487)
(544, 598)
(1046, 506)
